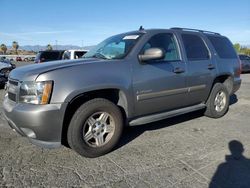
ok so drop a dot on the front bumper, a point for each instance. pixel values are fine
(42, 124)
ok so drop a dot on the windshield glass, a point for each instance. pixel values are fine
(116, 47)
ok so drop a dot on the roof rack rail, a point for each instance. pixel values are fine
(196, 30)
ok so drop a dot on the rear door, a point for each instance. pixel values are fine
(201, 67)
(160, 85)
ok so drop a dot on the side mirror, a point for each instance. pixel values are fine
(152, 54)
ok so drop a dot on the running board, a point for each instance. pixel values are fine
(164, 115)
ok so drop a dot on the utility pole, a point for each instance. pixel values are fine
(82, 44)
(56, 44)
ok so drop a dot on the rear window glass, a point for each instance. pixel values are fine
(223, 47)
(195, 47)
(51, 55)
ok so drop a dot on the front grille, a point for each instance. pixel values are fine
(12, 96)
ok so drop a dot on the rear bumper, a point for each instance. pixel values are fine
(42, 124)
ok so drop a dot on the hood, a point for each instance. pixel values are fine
(30, 72)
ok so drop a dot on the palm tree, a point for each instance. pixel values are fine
(15, 46)
(3, 48)
(49, 47)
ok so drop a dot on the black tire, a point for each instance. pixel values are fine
(210, 104)
(3, 80)
(76, 128)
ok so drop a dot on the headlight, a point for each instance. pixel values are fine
(35, 92)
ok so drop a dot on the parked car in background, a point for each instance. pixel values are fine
(32, 58)
(131, 79)
(18, 59)
(6, 66)
(49, 55)
(74, 54)
(26, 59)
(245, 63)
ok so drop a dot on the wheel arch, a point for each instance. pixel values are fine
(115, 95)
(226, 79)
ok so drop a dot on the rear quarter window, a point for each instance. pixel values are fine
(223, 47)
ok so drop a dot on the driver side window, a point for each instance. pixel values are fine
(167, 42)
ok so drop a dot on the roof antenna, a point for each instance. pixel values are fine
(141, 28)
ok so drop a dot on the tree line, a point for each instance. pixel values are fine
(241, 49)
(4, 48)
(15, 46)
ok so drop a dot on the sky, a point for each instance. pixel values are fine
(88, 22)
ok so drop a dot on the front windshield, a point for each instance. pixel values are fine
(116, 47)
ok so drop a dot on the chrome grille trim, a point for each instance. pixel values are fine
(13, 90)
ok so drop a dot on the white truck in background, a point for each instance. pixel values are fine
(73, 54)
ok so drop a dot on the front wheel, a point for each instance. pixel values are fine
(95, 128)
(218, 101)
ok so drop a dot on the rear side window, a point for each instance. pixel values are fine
(50, 55)
(167, 42)
(223, 47)
(195, 47)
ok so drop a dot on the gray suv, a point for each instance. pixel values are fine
(131, 79)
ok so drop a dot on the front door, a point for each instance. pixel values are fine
(160, 85)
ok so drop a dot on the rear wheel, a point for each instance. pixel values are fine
(95, 128)
(218, 101)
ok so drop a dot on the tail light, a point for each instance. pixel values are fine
(238, 72)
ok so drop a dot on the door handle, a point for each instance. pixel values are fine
(211, 66)
(178, 70)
